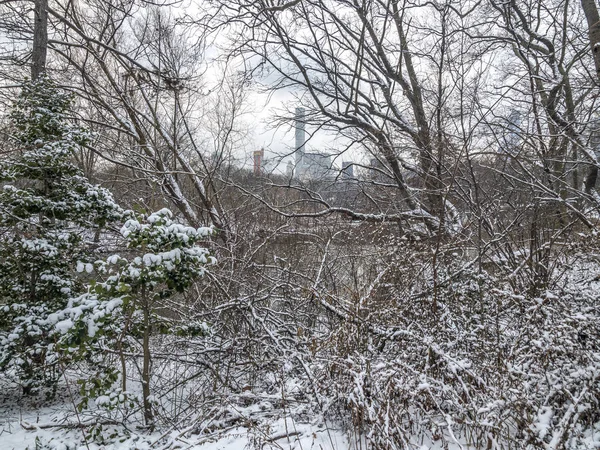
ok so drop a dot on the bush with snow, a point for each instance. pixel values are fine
(48, 212)
(130, 300)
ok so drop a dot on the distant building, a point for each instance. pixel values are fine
(300, 133)
(308, 165)
(347, 170)
(315, 166)
(378, 170)
(259, 161)
(512, 135)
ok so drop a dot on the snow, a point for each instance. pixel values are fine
(543, 421)
(103, 400)
(14, 436)
(64, 325)
(24, 426)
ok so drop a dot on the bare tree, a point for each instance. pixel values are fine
(40, 39)
(133, 79)
(361, 75)
(590, 10)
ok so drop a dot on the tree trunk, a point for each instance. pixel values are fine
(593, 19)
(40, 39)
(148, 416)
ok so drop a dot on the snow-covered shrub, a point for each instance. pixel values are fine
(49, 213)
(472, 362)
(130, 301)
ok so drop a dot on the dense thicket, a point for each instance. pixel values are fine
(444, 290)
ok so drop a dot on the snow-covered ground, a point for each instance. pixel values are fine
(39, 424)
(27, 425)
(301, 436)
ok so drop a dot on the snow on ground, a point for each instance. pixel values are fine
(35, 423)
(304, 437)
(28, 430)
(13, 435)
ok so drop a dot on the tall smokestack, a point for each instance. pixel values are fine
(258, 161)
(300, 134)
